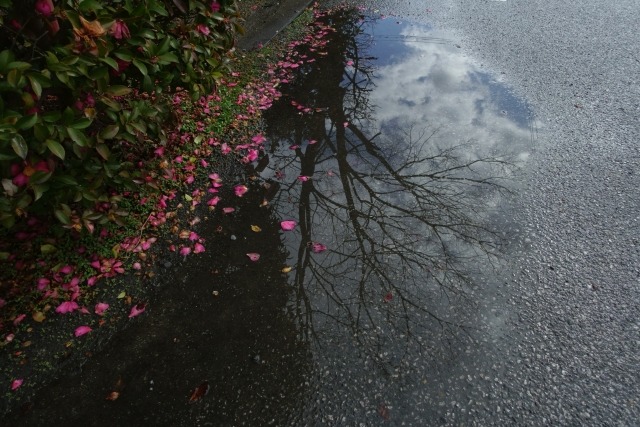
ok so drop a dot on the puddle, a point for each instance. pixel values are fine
(396, 172)
(405, 150)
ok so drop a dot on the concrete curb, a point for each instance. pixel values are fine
(268, 19)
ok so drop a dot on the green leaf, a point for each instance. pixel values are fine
(167, 58)
(35, 86)
(66, 179)
(13, 77)
(109, 132)
(77, 137)
(103, 150)
(39, 190)
(19, 146)
(40, 177)
(82, 123)
(18, 65)
(89, 5)
(140, 65)
(117, 90)
(113, 105)
(110, 62)
(27, 122)
(48, 249)
(56, 148)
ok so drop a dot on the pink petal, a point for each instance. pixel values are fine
(16, 384)
(193, 236)
(253, 256)
(185, 251)
(81, 330)
(228, 210)
(288, 225)
(101, 307)
(137, 266)
(198, 248)
(240, 190)
(345, 124)
(19, 319)
(304, 178)
(318, 247)
(137, 309)
(67, 307)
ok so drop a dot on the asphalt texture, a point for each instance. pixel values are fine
(568, 350)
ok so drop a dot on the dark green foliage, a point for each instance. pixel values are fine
(85, 93)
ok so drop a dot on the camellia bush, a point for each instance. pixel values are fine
(85, 92)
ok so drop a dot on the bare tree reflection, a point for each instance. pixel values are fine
(402, 216)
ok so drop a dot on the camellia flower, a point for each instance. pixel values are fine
(119, 30)
(44, 7)
(203, 29)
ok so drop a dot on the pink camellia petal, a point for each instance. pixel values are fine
(240, 190)
(137, 309)
(198, 248)
(345, 124)
(185, 251)
(16, 384)
(304, 178)
(19, 319)
(253, 256)
(67, 307)
(81, 330)
(193, 236)
(228, 210)
(213, 201)
(137, 266)
(101, 307)
(288, 225)
(318, 247)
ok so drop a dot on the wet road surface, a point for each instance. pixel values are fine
(457, 257)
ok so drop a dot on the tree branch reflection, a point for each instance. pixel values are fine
(403, 216)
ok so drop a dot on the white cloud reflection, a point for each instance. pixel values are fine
(425, 81)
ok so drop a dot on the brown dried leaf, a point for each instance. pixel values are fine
(199, 392)
(113, 395)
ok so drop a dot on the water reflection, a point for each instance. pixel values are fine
(407, 148)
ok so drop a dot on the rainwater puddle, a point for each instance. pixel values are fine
(389, 153)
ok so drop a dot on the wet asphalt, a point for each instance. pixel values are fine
(558, 330)
(566, 351)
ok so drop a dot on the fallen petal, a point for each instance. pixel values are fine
(288, 225)
(81, 330)
(101, 307)
(199, 392)
(16, 384)
(228, 210)
(137, 309)
(253, 256)
(318, 247)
